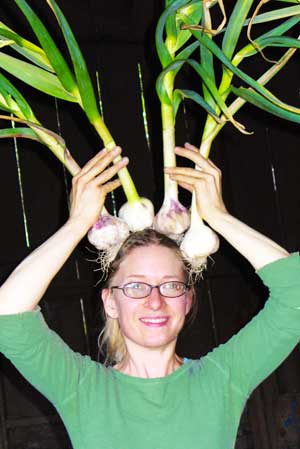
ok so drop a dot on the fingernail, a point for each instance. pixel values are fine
(116, 150)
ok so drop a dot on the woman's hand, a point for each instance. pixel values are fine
(91, 185)
(205, 181)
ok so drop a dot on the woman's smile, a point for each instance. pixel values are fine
(155, 321)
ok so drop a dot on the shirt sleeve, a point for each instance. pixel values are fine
(41, 356)
(262, 345)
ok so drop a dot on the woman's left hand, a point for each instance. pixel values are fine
(205, 180)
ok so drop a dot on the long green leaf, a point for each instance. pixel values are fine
(279, 41)
(242, 75)
(171, 28)
(8, 89)
(4, 42)
(38, 128)
(259, 101)
(186, 53)
(162, 51)
(175, 66)
(235, 25)
(270, 16)
(26, 48)
(250, 50)
(192, 95)
(34, 76)
(55, 57)
(214, 92)
(160, 83)
(88, 99)
(206, 59)
(26, 133)
(194, 11)
(276, 14)
(4, 106)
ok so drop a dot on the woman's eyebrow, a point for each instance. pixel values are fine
(144, 276)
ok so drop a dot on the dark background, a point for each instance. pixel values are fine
(261, 187)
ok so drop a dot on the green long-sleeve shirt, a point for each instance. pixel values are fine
(196, 407)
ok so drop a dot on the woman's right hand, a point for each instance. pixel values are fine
(91, 185)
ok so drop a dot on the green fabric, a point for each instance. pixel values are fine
(196, 407)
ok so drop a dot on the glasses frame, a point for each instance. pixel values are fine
(187, 288)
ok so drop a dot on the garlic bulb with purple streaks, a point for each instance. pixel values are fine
(173, 219)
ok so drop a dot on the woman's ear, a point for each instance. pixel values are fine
(189, 300)
(109, 303)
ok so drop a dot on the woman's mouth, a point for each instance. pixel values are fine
(154, 321)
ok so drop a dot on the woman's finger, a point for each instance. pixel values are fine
(186, 171)
(93, 160)
(112, 185)
(186, 186)
(98, 163)
(189, 146)
(192, 181)
(193, 155)
(110, 172)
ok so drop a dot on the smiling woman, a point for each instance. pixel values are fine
(147, 387)
(149, 309)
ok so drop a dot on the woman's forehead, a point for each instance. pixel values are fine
(152, 260)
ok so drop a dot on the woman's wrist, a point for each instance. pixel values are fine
(218, 219)
(77, 227)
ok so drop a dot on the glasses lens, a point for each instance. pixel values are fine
(172, 289)
(137, 290)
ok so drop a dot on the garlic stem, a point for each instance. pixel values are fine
(124, 176)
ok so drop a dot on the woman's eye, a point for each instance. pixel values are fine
(136, 286)
(172, 286)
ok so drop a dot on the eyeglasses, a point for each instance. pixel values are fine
(139, 290)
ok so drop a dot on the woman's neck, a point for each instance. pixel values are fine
(149, 363)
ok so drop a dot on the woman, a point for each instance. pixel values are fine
(150, 397)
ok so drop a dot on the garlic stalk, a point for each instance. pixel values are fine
(173, 218)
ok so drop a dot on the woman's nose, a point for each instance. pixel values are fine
(155, 300)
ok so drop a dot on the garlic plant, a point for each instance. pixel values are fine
(173, 218)
(184, 36)
(108, 231)
(49, 72)
(182, 16)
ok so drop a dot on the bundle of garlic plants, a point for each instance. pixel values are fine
(109, 231)
(185, 36)
(44, 68)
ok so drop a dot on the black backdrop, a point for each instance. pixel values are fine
(261, 187)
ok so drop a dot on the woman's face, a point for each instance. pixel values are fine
(154, 321)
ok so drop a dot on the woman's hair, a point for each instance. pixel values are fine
(111, 337)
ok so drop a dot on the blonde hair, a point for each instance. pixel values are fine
(111, 339)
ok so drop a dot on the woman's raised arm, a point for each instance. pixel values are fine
(28, 282)
(205, 182)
